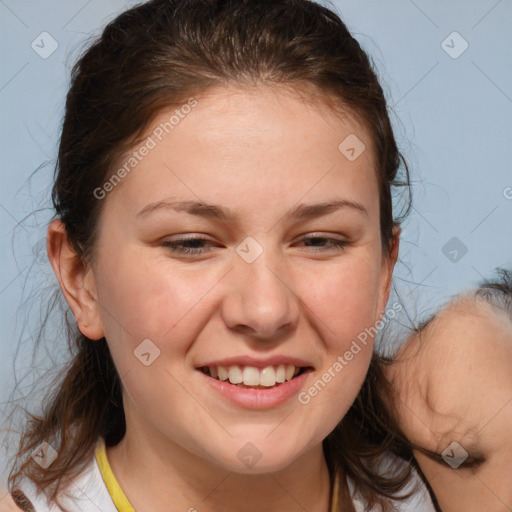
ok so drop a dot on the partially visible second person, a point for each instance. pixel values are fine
(453, 383)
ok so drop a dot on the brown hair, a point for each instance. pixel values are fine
(155, 56)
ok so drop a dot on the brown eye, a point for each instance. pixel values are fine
(326, 243)
(188, 246)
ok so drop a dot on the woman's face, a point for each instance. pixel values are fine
(278, 278)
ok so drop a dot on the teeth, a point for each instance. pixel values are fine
(252, 376)
(281, 373)
(235, 375)
(268, 377)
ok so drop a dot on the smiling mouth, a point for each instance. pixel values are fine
(250, 377)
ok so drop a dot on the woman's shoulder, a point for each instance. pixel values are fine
(86, 493)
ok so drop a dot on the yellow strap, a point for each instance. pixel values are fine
(121, 501)
(335, 493)
(114, 489)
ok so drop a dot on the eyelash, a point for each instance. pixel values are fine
(177, 245)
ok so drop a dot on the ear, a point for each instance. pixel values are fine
(76, 281)
(388, 264)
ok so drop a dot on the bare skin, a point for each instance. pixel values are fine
(258, 153)
(7, 503)
(454, 383)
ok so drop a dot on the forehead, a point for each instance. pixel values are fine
(300, 97)
(239, 146)
(294, 116)
(469, 318)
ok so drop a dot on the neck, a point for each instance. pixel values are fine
(154, 476)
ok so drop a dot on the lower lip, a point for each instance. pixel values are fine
(258, 398)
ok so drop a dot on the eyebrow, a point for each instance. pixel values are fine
(299, 212)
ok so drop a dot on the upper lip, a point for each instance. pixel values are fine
(257, 362)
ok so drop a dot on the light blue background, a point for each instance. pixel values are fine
(452, 119)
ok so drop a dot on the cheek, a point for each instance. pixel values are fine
(140, 301)
(345, 298)
(344, 305)
(149, 292)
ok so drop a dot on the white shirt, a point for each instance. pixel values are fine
(88, 490)
(90, 494)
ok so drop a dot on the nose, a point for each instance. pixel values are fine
(260, 301)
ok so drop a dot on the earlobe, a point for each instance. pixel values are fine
(76, 282)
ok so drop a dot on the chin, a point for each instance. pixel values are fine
(259, 456)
